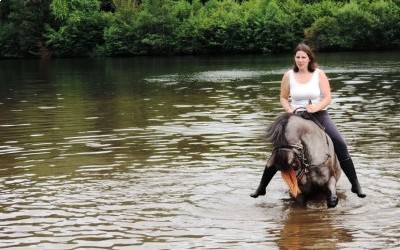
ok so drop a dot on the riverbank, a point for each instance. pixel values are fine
(180, 27)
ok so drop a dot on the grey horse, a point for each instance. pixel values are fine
(305, 155)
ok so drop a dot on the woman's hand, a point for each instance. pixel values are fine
(312, 108)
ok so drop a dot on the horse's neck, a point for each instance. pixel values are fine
(316, 146)
(312, 138)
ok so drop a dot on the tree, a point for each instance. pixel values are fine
(25, 22)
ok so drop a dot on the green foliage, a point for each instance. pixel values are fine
(21, 31)
(8, 40)
(325, 33)
(216, 28)
(63, 8)
(149, 31)
(79, 29)
(149, 27)
(78, 36)
(128, 5)
(274, 30)
(387, 25)
(357, 25)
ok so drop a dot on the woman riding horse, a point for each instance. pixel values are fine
(309, 87)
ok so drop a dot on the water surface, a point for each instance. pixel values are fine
(162, 153)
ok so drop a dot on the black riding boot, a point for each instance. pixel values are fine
(269, 172)
(350, 172)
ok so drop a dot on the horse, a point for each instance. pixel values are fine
(305, 156)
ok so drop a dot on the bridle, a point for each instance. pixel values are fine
(299, 152)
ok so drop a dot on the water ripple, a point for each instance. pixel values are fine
(169, 163)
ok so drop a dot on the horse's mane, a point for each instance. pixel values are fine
(276, 132)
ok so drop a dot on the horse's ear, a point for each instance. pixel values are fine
(271, 159)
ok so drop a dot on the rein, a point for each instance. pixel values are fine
(308, 116)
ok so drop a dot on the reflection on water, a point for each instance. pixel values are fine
(313, 229)
(161, 153)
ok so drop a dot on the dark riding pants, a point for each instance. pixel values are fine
(330, 128)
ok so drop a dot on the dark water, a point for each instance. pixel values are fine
(161, 153)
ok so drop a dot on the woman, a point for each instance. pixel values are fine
(308, 86)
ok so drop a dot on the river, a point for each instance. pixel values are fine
(163, 152)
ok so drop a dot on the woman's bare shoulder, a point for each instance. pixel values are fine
(321, 71)
(287, 73)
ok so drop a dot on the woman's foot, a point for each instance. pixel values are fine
(357, 190)
(257, 193)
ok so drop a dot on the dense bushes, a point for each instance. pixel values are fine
(22, 27)
(358, 26)
(81, 30)
(143, 27)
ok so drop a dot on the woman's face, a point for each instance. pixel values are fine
(302, 60)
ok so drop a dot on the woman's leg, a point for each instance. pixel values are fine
(269, 172)
(341, 151)
(349, 170)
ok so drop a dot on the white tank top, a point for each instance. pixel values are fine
(302, 93)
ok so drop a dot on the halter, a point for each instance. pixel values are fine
(299, 152)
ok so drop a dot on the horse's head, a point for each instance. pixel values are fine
(288, 160)
(287, 154)
(287, 157)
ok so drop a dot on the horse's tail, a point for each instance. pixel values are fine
(276, 132)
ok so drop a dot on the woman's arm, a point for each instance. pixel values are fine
(285, 93)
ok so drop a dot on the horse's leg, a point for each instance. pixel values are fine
(301, 199)
(269, 172)
(332, 199)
